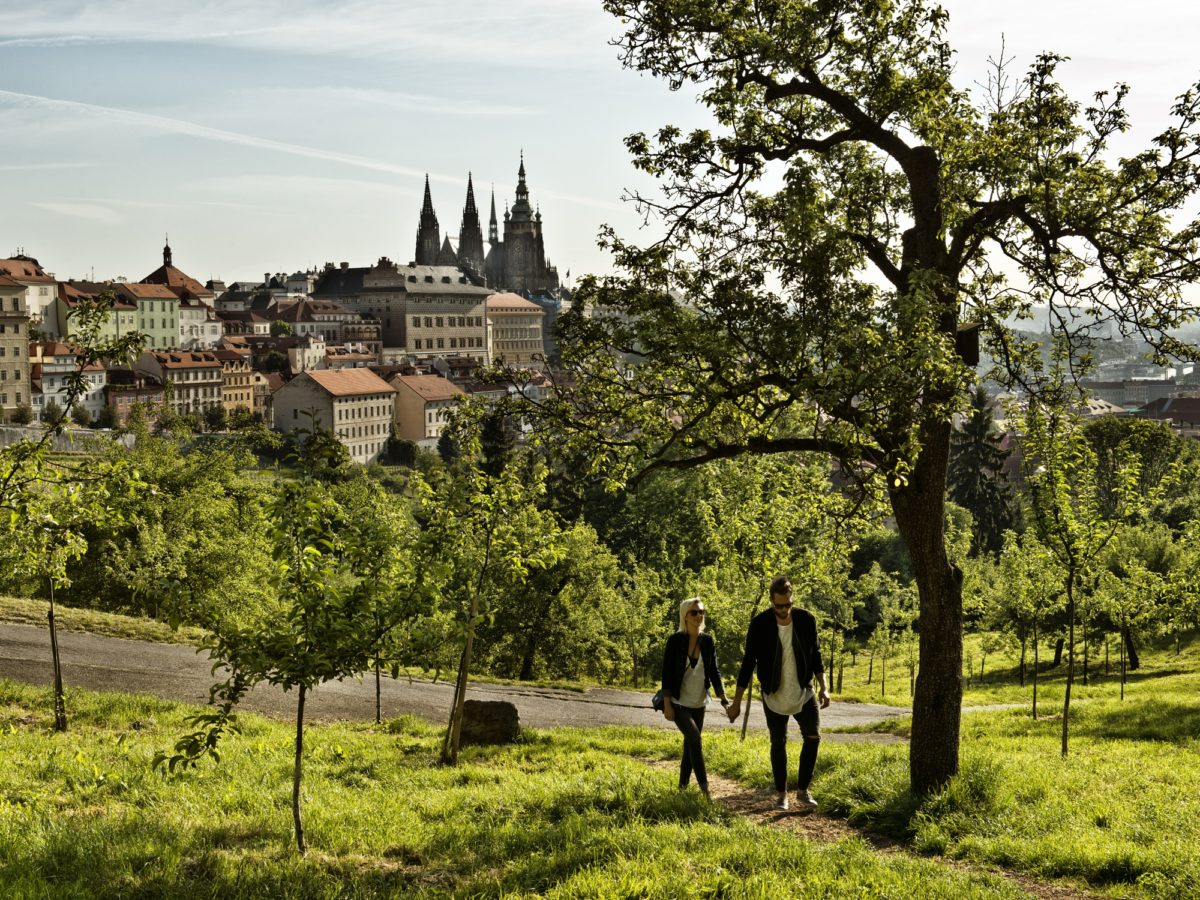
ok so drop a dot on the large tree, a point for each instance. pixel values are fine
(825, 243)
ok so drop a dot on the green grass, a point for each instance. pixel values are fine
(1121, 812)
(1000, 683)
(15, 610)
(562, 814)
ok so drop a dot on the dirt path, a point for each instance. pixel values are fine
(758, 807)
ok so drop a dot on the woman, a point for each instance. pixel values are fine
(689, 667)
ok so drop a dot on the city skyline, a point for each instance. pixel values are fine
(282, 136)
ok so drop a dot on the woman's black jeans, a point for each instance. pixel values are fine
(691, 722)
(809, 718)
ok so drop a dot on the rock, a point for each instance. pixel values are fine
(490, 722)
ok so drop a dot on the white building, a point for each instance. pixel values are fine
(355, 404)
(423, 406)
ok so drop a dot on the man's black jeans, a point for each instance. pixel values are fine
(809, 719)
(691, 722)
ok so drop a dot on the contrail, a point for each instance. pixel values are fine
(191, 129)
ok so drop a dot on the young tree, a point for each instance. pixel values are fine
(44, 503)
(1068, 509)
(841, 145)
(318, 628)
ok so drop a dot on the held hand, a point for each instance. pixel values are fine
(668, 709)
(823, 698)
(733, 709)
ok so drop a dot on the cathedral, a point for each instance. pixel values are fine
(517, 263)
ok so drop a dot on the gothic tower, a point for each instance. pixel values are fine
(524, 253)
(470, 235)
(428, 238)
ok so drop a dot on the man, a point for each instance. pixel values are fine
(782, 644)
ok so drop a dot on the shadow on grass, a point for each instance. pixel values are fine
(1139, 720)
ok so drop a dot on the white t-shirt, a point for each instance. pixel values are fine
(691, 692)
(789, 697)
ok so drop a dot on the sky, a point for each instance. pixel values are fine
(277, 135)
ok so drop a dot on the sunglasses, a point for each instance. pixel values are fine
(695, 612)
(782, 606)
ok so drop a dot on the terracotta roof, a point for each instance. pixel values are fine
(274, 381)
(429, 387)
(25, 268)
(186, 359)
(348, 382)
(174, 278)
(149, 291)
(7, 282)
(514, 302)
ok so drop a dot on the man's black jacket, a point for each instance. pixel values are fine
(675, 660)
(762, 650)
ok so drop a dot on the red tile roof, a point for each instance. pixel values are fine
(149, 291)
(509, 302)
(429, 387)
(348, 382)
(177, 279)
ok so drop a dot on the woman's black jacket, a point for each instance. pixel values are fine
(675, 661)
(762, 650)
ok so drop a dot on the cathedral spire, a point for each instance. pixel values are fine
(166, 250)
(521, 211)
(470, 235)
(493, 226)
(428, 236)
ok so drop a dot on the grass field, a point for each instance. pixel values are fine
(33, 612)
(563, 814)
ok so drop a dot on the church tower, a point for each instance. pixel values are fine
(525, 267)
(470, 234)
(429, 241)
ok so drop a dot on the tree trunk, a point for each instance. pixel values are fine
(1122, 652)
(454, 731)
(1132, 661)
(1105, 655)
(60, 705)
(378, 694)
(1035, 669)
(982, 663)
(840, 672)
(1024, 641)
(1083, 631)
(1070, 664)
(871, 666)
(746, 711)
(1058, 652)
(883, 674)
(919, 506)
(833, 652)
(298, 772)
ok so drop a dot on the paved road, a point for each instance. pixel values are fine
(180, 673)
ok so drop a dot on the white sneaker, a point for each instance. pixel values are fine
(805, 800)
(781, 801)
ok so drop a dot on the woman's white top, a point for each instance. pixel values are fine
(691, 692)
(789, 696)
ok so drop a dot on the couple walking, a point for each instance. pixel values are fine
(781, 644)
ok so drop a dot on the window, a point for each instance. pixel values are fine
(428, 322)
(441, 343)
(439, 321)
(416, 321)
(453, 343)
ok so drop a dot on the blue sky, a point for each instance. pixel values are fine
(281, 135)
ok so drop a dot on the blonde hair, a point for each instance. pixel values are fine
(683, 611)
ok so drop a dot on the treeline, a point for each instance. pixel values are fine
(576, 582)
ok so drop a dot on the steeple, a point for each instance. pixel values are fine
(493, 227)
(428, 236)
(521, 211)
(470, 235)
(166, 250)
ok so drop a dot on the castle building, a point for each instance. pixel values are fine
(516, 263)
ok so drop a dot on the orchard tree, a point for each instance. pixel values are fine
(828, 247)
